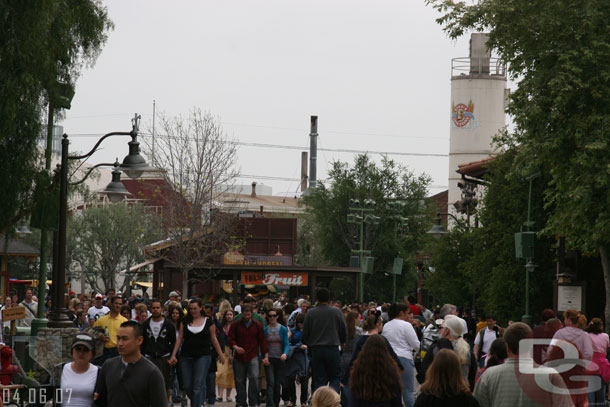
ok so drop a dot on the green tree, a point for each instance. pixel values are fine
(387, 182)
(104, 240)
(477, 266)
(559, 51)
(41, 42)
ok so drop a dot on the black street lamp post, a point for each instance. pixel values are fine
(133, 164)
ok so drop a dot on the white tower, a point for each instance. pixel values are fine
(478, 95)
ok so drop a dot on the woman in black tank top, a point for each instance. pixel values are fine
(197, 336)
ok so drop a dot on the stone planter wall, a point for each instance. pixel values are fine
(53, 346)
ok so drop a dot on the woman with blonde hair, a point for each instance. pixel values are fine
(445, 384)
(222, 308)
(224, 374)
(325, 396)
(141, 313)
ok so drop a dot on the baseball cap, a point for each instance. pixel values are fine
(98, 295)
(454, 325)
(85, 340)
(174, 294)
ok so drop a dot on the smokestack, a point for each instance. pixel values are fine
(303, 171)
(253, 194)
(313, 151)
(479, 54)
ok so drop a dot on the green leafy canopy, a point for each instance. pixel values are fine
(40, 42)
(386, 182)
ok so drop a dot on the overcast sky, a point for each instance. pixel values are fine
(377, 73)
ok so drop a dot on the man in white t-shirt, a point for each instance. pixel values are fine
(98, 310)
(401, 335)
(483, 341)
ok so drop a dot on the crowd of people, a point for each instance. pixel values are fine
(150, 352)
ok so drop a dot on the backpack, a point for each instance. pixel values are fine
(482, 336)
(292, 320)
(431, 334)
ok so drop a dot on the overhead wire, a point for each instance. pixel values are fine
(262, 126)
(302, 148)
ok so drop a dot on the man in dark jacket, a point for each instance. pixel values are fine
(159, 341)
(324, 331)
(130, 380)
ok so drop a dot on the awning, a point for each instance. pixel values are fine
(139, 266)
(142, 284)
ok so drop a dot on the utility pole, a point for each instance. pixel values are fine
(362, 214)
(152, 153)
(396, 208)
(525, 242)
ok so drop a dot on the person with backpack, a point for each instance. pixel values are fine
(303, 305)
(484, 339)
(451, 337)
(31, 307)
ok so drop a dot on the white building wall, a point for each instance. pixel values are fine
(477, 108)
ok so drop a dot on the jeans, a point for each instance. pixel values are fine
(407, 381)
(326, 367)
(275, 380)
(482, 360)
(291, 393)
(176, 383)
(210, 384)
(242, 371)
(194, 372)
(108, 353)
(597, 397)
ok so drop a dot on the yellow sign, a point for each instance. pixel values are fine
(11, 314)
(250, 260)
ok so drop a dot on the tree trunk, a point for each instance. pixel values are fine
(185, 284)
(603, 253)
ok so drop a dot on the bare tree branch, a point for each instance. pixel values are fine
(199, 164)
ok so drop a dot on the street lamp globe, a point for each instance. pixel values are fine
(134, 165)
(115, 190)
(22, 230)
(437, 230)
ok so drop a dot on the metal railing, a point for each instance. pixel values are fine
(478, 66)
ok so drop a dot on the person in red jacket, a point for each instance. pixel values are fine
(247, 339)
(412, 303)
